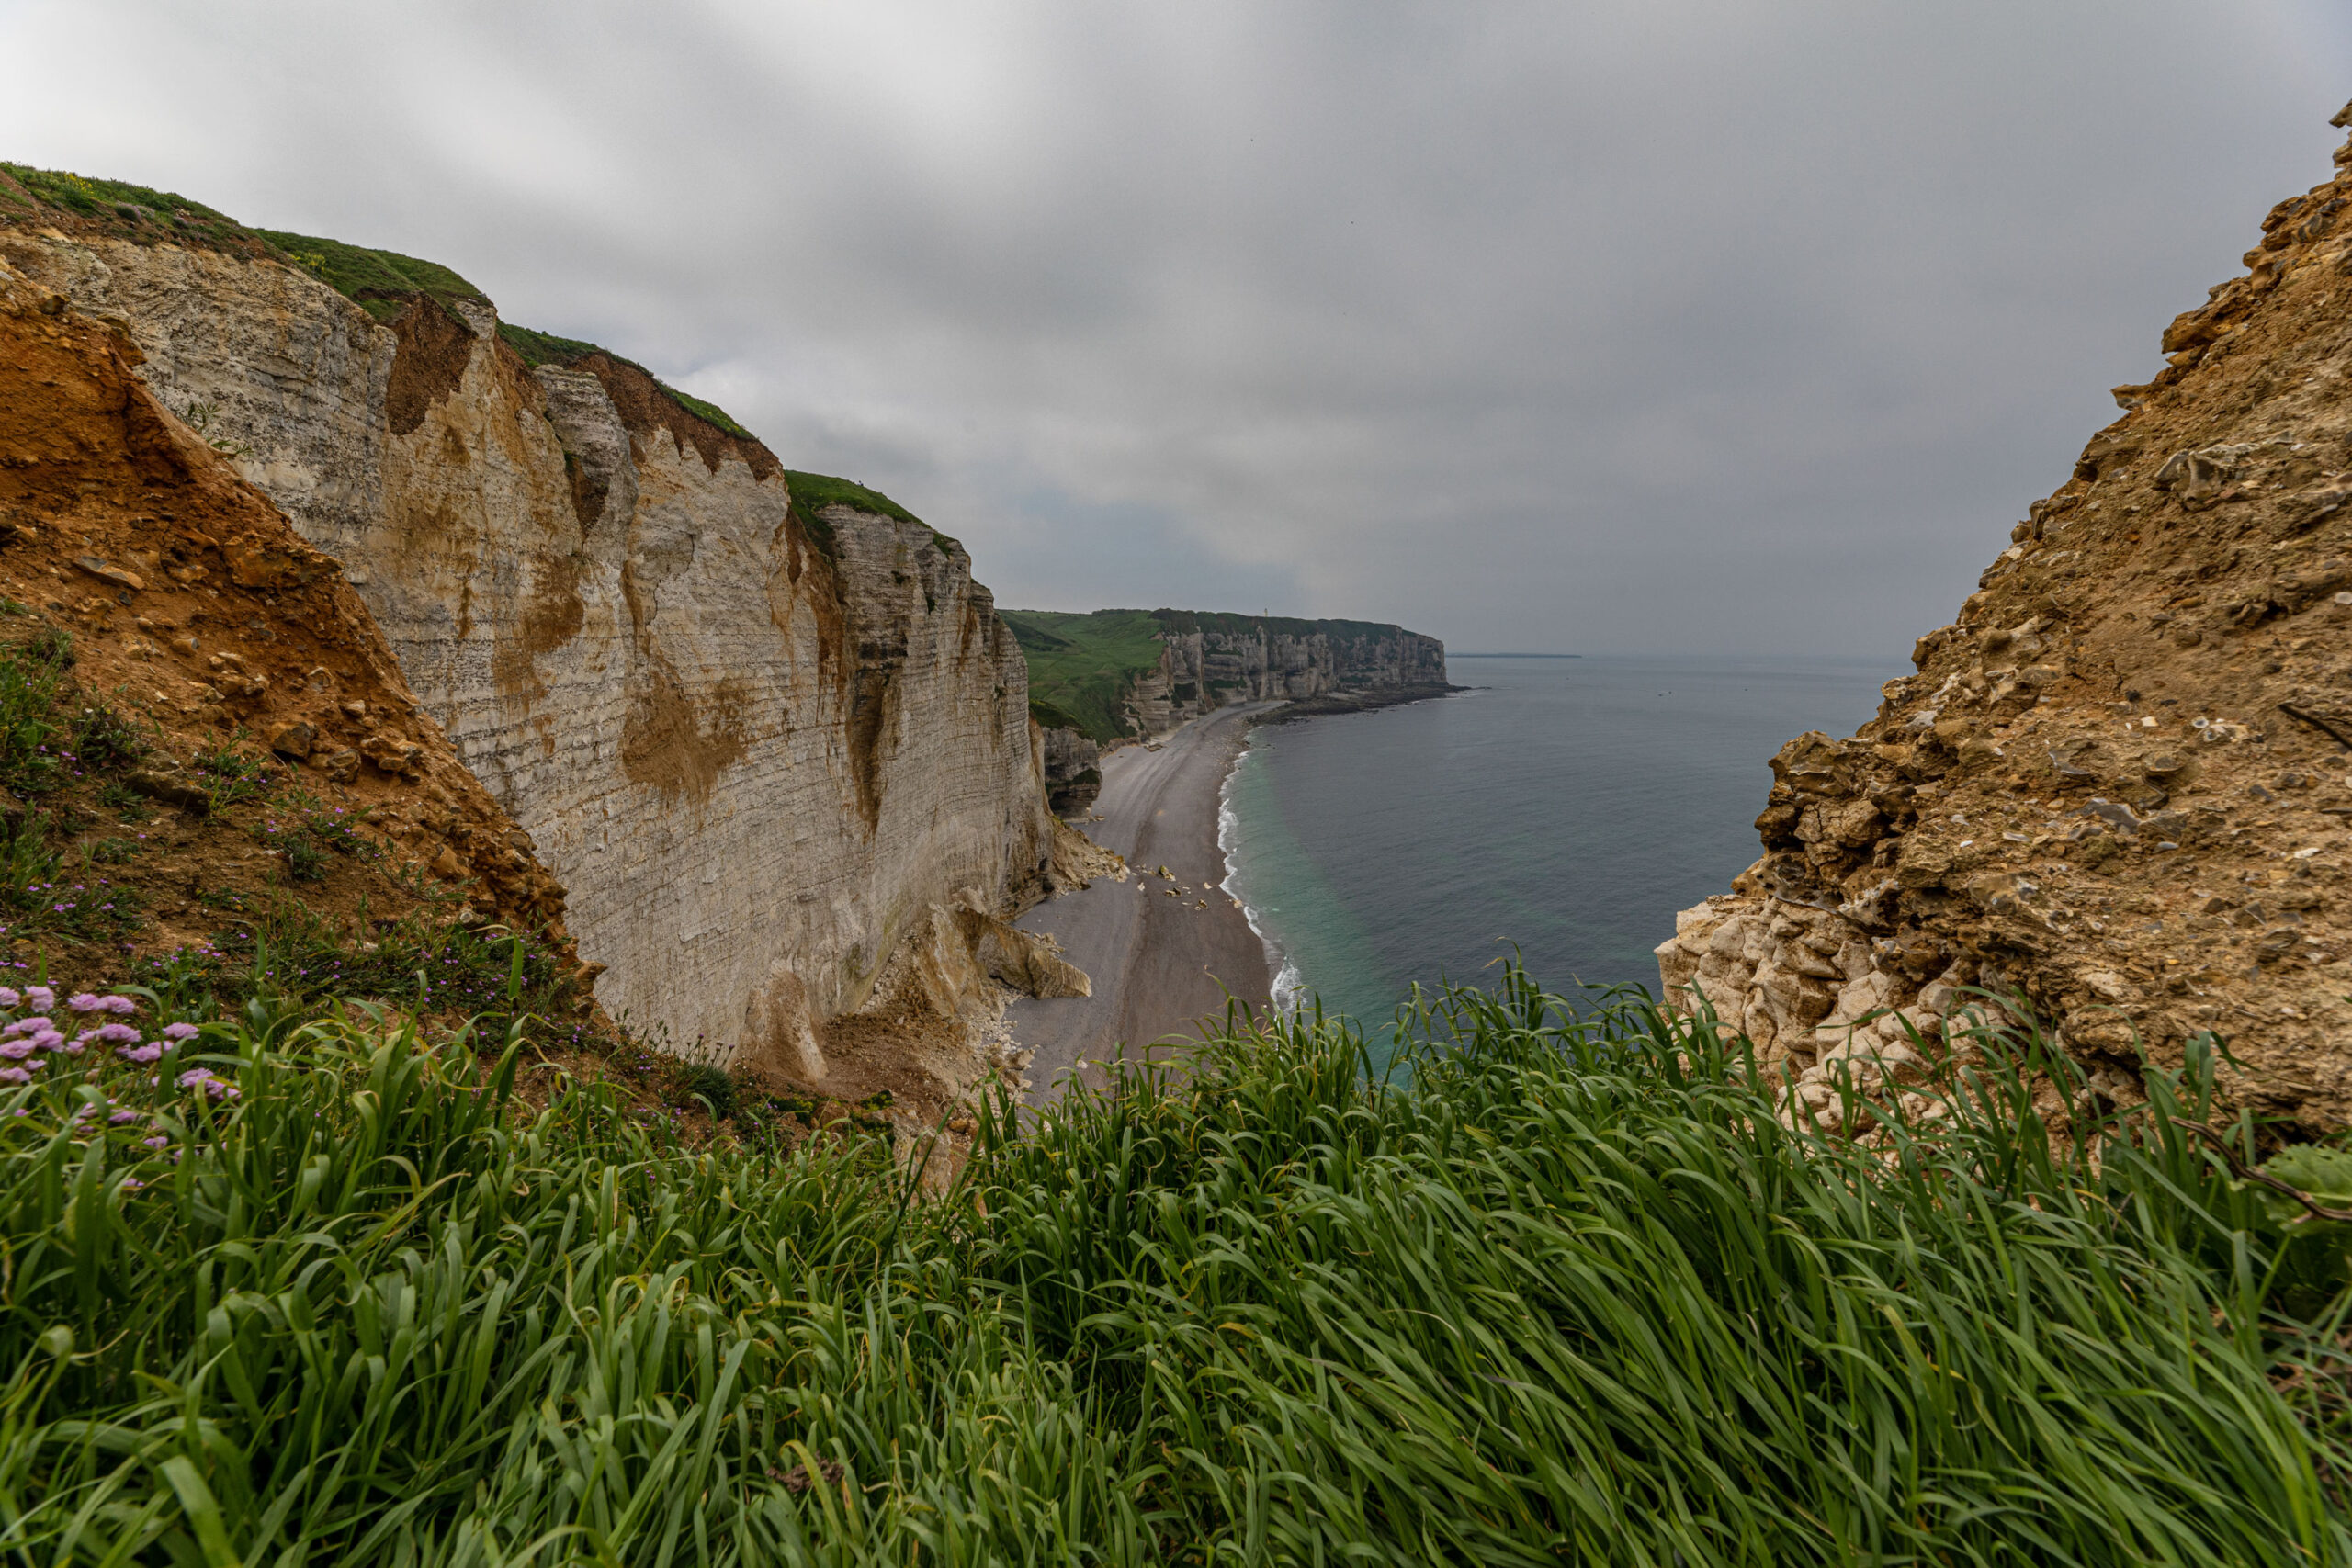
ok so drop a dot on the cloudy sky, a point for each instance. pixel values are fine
(1590, 327)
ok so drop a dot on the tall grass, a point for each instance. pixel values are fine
(1577, 1296)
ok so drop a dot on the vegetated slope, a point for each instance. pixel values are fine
(1579, 1298)
(763, 725)
(2119, 783)
(203, 740)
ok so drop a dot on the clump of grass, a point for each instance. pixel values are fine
(302, 829)
(1575, 1294)
(230, 775)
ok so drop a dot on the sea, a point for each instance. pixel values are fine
(1561, 810)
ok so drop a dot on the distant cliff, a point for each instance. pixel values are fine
(1114, 675)
(763, 726)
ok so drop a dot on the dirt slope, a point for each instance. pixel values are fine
(243, 735)
(2119, 781)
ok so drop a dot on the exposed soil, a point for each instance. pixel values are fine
(2120, 782)
(198, 616)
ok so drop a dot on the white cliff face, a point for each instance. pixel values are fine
(759, 750)
(1206, 667)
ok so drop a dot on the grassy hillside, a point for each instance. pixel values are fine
(331, 1292)
(1080, 665)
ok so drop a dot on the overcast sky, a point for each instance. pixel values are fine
(1572, 327)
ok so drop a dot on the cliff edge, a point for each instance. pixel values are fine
(763, 726)
(2119, 781)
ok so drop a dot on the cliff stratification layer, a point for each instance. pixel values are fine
(767, 743)
(2119, 784)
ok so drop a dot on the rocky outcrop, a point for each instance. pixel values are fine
(2117, 788)
(762, 743)
(1073, 765)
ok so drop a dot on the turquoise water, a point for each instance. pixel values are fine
(1569, 806)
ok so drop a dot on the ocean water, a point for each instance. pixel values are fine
(1568, 806)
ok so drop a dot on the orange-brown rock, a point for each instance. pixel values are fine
(2118, 786)
(113, 514)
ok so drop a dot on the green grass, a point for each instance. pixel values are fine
(381, 282)
(1577, 1298)
(1083, 666)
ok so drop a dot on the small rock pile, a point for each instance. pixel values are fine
(2117, 789)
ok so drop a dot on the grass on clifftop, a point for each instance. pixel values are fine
(379, 282)
(1081, 666)
(323, 1292)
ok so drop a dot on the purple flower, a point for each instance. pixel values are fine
(116, 1033)
(143, 1055)
(84, 1001)
(120, 1117)
(132, 1184)
(194, 1076)
(8, 997)
(179, 1032)
(219, 1091)
(47, 1040)
(17, 1050)
(119, 1006)
(14, 1075)
(156, 1142)
(26, 1026)
(41, 996)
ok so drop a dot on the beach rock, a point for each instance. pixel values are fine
(2114, 796)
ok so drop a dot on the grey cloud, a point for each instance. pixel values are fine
(1619, 326)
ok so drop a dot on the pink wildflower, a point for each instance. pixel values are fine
(117, 1005)
(8, 997)
(84, 1001)
(194, 1076)
(14, 1075)
(115, 1034)
(16, 1050)
(179, 1032)
(143, 1055)
(132, 1184)
(41, 996)
(120, 1117)
(156, 1142)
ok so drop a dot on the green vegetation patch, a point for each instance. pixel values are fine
(538, 348)
(333, 1291)
(380, 282)
(1083, 665)
(88, 198)
(1051, 717)
(814, 493)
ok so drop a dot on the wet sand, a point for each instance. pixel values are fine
(1157, 964)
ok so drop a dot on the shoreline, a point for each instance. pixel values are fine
(1162, 953)
(1160, 964)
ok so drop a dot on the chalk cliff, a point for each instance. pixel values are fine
(1118, 675)
(187, 610)
(763, 726)
(2119, 781)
